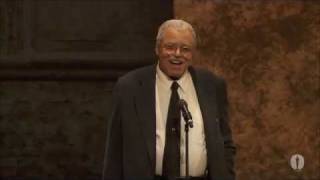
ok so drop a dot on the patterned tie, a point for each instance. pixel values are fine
(171, 157)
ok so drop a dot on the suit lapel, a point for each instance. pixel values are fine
(145, 106)
(207, 101)
(206, 97)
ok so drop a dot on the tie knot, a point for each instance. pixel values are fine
(174, 86)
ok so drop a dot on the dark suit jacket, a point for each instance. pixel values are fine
(131, 140)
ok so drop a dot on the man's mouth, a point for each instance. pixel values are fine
(176, 61)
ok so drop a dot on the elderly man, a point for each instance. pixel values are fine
(146, 137)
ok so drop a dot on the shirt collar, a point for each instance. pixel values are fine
(167, 81)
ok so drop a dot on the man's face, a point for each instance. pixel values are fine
(175, 51)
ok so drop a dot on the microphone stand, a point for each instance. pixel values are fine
(186, 128)
(188, 124)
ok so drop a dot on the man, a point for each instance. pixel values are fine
(146, 132)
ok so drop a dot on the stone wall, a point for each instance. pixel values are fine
(59, 61)
(53, 129)
(268, 52)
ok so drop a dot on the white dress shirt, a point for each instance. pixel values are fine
(197, 145)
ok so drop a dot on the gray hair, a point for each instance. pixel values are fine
(176, 24)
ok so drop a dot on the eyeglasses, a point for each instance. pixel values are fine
(183, 49)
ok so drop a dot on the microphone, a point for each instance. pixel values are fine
(185, 112)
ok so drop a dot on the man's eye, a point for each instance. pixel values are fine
(170, 46)
(186, 49)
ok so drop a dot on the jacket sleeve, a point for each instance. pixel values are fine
(229, 147)
(112, 166)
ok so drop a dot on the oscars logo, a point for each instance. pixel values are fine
(297, 162)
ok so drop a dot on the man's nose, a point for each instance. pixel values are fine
(177, 51)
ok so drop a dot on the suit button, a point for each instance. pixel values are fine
(173, 129)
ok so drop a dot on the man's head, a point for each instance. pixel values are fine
(176, 42)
